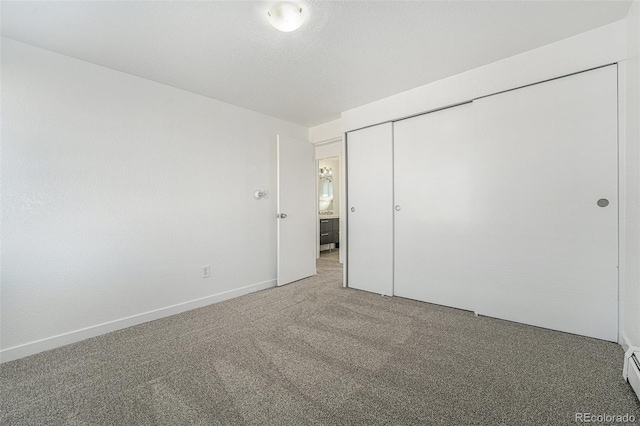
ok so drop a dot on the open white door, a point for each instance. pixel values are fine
(296, 210)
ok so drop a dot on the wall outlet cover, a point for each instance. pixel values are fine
(206, 271)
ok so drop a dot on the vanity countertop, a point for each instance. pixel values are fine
(323, 216)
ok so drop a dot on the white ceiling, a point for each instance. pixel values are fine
(345, 55)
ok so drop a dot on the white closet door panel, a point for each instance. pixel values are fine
(369, 210)
(433, 247)
(545, 252)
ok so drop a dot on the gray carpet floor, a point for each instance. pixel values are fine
(314, 353)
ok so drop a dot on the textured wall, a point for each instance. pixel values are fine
(116, 191)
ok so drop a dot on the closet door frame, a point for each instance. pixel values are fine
(622, 176)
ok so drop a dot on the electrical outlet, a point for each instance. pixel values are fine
(206, 271)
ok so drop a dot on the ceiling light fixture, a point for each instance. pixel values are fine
(286, 17)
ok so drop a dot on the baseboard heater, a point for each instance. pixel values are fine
(631, 371)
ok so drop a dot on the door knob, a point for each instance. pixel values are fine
(353, 209)
(282, 215)
(397, 208)
(603, 202)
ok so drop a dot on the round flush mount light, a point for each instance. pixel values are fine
(286, 17)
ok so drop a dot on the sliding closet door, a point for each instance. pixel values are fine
(434, 207)
(546, 206)
(369, 209)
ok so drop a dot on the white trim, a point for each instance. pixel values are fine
(344, 211)
(328, 141)
(63, 339)
(343, 203)
(627, 369)
(622, 195)
(632, 374)
(326, 157)
(325, 132)
(328, 150)
(317, 210)
(278, 276)
(624, 341)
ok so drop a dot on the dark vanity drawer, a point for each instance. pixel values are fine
(325, 238)
(335, 224)
(326, 225)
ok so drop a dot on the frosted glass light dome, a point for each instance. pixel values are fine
(286, 17)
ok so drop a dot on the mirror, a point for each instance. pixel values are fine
(329, 187)
(325, 203)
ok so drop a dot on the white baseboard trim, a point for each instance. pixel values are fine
(630, 372)
(624, 341)
(633, 375)
(31, 348)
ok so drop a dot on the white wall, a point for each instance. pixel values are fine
(116, 191)
(631, 249)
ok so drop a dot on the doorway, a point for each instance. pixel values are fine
(328, 180)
